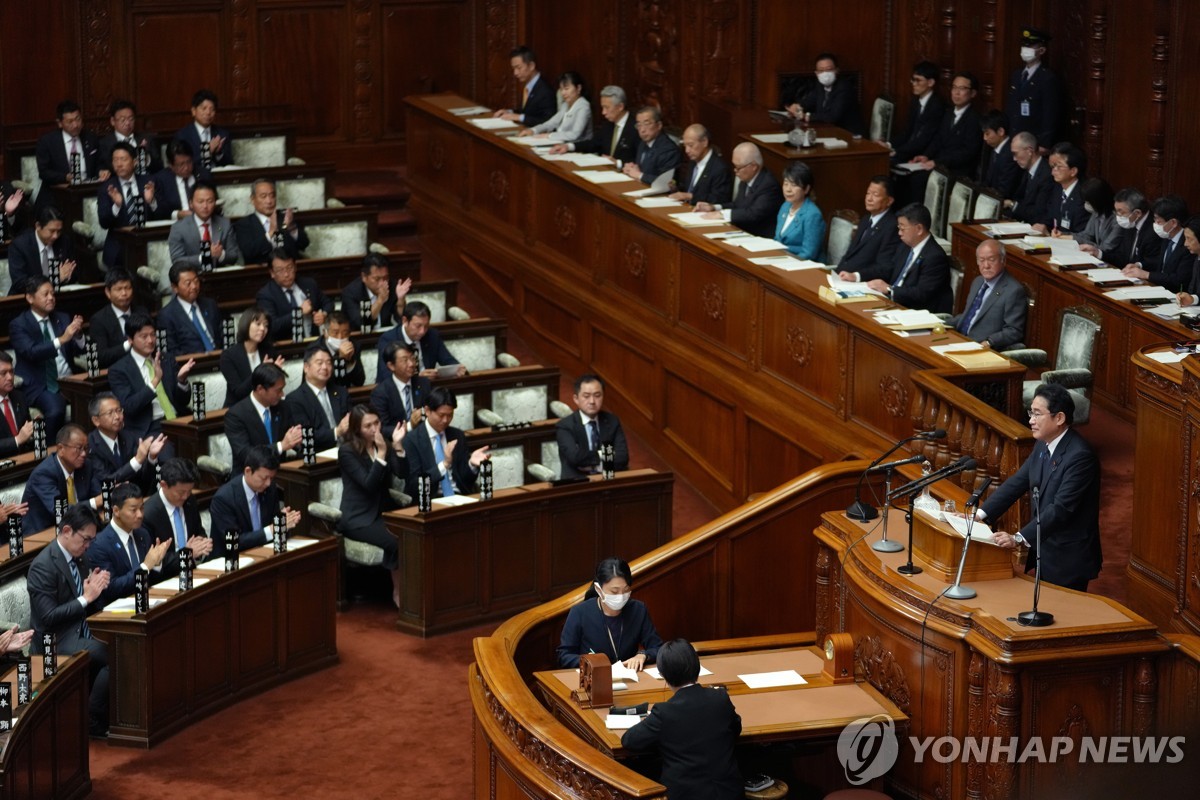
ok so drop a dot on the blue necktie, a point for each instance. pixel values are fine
(440, 453)
(267, 424)
(968, 319)
(255, 513)
(407, 402)
(907, 266)
(134, 561)
(207, 342)
(180, 530)
(593, 434)
(84, 630)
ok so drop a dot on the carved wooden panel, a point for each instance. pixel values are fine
(463, 548)
(772, 457)
(174, 53)
(316, 91)
(552, 320)
(804, 349)
(624, 365)
(699, 423)
(564, 219)
(639, 261)
(440, 157)
(415, 62)
(497, 184)
(882, 392)
(657, 68)
(716, 303)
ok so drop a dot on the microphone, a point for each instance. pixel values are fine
(936, 433)
(975, 498)
(894, 464)
(912, 487)
(863, 512)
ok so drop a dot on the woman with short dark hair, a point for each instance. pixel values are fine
(609, 622)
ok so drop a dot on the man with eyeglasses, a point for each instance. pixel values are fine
(1036, 186)
(757, 195)
(64, 590)
(118, 455)
(656, 154)
(64, 474)
(924, 114)
(1065, 211)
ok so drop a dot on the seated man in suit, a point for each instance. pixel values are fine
(414, 330)
(955, 146)
(580, 435)
(259, 418)
(248, 502)
(64, 474)
(16, 429)
(875, 240)
(1172, 266)
(267, 229)
(46, 342)
(125, 200)
(439, 451)
(122, 115)
(205, 239)
(372, 287)
(830, 101)
(706, 179)
(616, 139)
(173, 185)
(59, 151)
(124, 546)
(193, 323)
(538, 98)
(696, 731)
(348, 370)
(172, 515)
(995, 313)
(107, 326)
(656, 154)
(1067, 472)
(919, 275)
(64, 589)
(1001, 173)
(399, 398)
(117, 454)
(757, 195)
(1138, 242)
(285, 292)
(319, 403)
(924, 114)
(148, 384)
(211, 146)
(1032, 201)
(1065, 210)
(33, 250)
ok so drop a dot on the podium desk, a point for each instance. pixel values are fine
(468, 564)
(235, 636)
(813, 711)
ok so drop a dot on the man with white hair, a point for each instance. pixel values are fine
(756, 194)
(616, 138)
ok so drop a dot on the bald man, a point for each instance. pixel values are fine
(996, 304)
(756, 195)
(705, 178)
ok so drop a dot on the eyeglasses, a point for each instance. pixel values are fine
(87, 539)
(740, 167)
(82, 448)
(1036, 413)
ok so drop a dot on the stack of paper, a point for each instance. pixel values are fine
(1167, 357)
(469, 111)
(692, 219)
(766, 680)
(604, 176)
(578, 159)
(1167, 311)
(1142, 293)
(978, 359)
(833, 143)
(1009, 229)
(1106, 274)
(649, 191)
(957, 347)
(532, 141)
(454, 500)
(980, 531)
(657, 202)
(771, 138)
(910, 166)
(620, 722)
(850, 288)
(493, 123)
(787, 263)
(620, 672)
(757, 244)
(908, 318)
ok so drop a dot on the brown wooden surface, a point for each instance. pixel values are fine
(464, 565)
(237, 635)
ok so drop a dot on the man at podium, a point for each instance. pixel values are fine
(1066, 473)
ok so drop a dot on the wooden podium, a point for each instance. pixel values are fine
(938, 548)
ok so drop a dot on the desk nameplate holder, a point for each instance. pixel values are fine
(595, 682)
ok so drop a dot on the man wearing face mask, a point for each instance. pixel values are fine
(1034, 100)
(607, 621)
(1138, 241)
(1172, 266)
(830, 101)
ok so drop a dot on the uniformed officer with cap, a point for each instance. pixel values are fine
(1035, 100)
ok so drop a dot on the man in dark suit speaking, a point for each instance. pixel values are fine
(581, 434)
(996, 304)
(1067, 474)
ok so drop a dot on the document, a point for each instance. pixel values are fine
(692, 219)
(126, 604)
(1167, 311)
(726, 235)
(787, 263)
(957, 347)
(846, 289)
(470, 111)
(455, 500)
(1167, 357)
(296, 544)
(912, 166)
(1142, 293)
(1009, 229)
(620, 672)
(757, 244)
(980, 531)
(603, 176)
(771, 138)
(766, 680)
(832, 143)
(908, 318)
(493, 123)
(532, 141)
(196, 583)
(656, 202)
(621, 722)
(1064, 259)
(1107, 274)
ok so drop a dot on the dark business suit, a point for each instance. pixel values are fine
(714, 185)
(354, 294)
(256, 247)
(365, 482)
(422, 460)
(108, 554)
(356, 374)
(128, 383)
(166, 191)
(586, 631)
(184, 241)
(108, 332)
(1139, 245)
(25, 258)
(574, 454)
(182, 334)
(1033, 195)
(105, 465)
(1172, 267)
(756, 205)
(602, 143)
(34, 354)
(872, 244)
(541, 104)
(47, 483)
(221, 158)
(54, 161)
(1003, 174)
(1070, 510)
(661, 155)
(235, 366)
(109, 140)
(114, 252)
(1001, 319)
(8, 436)
(922, 127)
(695, 732)
(1070, 209)
(927, 284)
(301, 407)
(230, 511)
(157, 522)
(389, 405)
(431, 350)
(272, 298)
(957, 142)
(1044, 97)
(245, 428)
(837, 105)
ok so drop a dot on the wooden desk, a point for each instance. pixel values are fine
(46, 753)
(464, 565)
(237, 635)
(818, 710)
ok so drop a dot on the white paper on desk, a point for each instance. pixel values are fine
(1067, 259)
(196, 583)
(833, 143)
(957, 347)
(589, 160)
(849, 287)
(532, 141)
(296, 544)
(770, 138)
(654, 673)
(787, 263)
(127, 604)
(649, 191)
(620, 672)
(1166, 311)
(493, 123)
(621, 722)
(158, 223)
(907, 334)
(227, 168)
(758, 244)
(1009, 228)
(657, 202)
(74, 287)
(603, 176)
(1106, 274)
(766, 680)
(1167, 357)
(908, 318)
(980, 531)
(1142, 293)
(726, 235)
(454, 500)
(911, 166)
(330, 453)
(469, 111)
(695, 219)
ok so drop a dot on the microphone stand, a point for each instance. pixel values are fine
(884, 544)
(958, 591)
(863, 512)
(909, 568)
(910, 489)
(1035, 618)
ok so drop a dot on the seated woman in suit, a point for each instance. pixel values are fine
(1102, 230)
(799, 227)
(608, 622)
(368, 463)
(573, 122)
(238, 362)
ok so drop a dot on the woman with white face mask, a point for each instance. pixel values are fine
(1102, 231)
(609, 622)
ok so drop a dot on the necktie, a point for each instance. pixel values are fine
(205, 237)
(84, 630)
(129, 192)
(267, 227)
(255, 512)
(267, 425)
(407, 402)
(612, 146)
(10, 417)
(134, 561)
(1170, 249)
(524, 96)
(907, 266)
(323, 396)
(207, 342)
(440, 452)
(968, 319)
(52, 364)
(160, 391)
(180, 529)
(593, 434)
(45, 260)
(117, 451)
(71, 490)
(695, 177)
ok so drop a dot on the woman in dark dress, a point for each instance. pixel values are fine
(368, 462)
(608, 622)
(238, 362)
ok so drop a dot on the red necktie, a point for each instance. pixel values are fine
(205, 237)
(8, 415)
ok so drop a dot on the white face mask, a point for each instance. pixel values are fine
(334, 344)
(1161, 230)
(1088, 208)
(614, 601)
(1028, 54)
(826, 78)
(1125, 222)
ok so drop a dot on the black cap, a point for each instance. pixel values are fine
(1033, 37)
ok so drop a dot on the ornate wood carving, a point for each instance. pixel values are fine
(947, 42)
(364, 72)
(100, 72)
(923, 27)
(240, 52)
(499, 35)
(799, 345)
(976, 718)
(893, 394)
(1004, 721)
(722, 50)
(824, 589)
(1094, 130)
(635, 260)
(1145, 697)
(991, 84)
(564, 220)
(1186, 499)
(879, 666)
(713, 298)
(1157, 128)
(436, 152)
(1075, 725)
(656, 53)
(498, 185)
